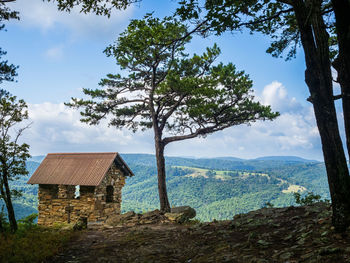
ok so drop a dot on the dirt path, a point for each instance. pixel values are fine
(295, 234)
(152, 243)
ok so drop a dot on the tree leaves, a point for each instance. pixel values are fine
(185, 96)
(273, 18)
(13, 155)
(99, 7)
(7, 71)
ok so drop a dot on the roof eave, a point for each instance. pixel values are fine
(124, 166)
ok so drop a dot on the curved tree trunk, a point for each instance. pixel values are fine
(344, 80)
(6, 193)
(342, 63)
(163, 196)
(10, 210)
(318, 77)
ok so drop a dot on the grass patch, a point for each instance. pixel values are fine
(219, 174)
(32, 243)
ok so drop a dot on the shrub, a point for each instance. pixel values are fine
(31, 243)
(308, 199)
(268, 205)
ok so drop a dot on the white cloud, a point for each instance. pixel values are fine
(54, 53)
(289, 134)
(46, 16)
(57, 128)
(294, 132)
(275, 94)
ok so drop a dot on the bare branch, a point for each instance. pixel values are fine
(19, 133)
(337, 97)
(287, 2)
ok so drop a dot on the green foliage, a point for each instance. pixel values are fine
(211, 197)
(28, 220)
(31, 244)
(183, 95)
(308, 199)
(210, 173)
(7, 71)
(168, 90)
(273, 18)
(99, 7)
(13, 155)
(268, 205)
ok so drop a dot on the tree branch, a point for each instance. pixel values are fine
(287, 2)
(337, 97)
(200, 131)
(266, 18)
(19, 133)
(171, 111)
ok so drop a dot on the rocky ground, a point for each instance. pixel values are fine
(292, 234)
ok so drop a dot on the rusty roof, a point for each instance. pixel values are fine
(77, 168)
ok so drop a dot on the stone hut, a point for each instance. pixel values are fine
(79, 185)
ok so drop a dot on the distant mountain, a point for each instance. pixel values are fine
(220, 163)
(150, 159)
(28, 203)
(216, 187)
(235, 159)
(285, 158)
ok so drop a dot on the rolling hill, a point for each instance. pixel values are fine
(218, 188)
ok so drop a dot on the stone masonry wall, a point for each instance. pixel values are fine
(103, 209)
(58, 205)
(66, 191)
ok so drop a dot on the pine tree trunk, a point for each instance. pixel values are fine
(334, 156)
(318, 78)
(342, 63)
(8, 202)
(163, 196)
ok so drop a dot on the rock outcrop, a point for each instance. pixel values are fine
(178, 215)
(181, 214)
(289, 234)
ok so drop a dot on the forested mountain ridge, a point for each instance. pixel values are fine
(218, 188)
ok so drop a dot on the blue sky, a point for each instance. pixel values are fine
(60, 53)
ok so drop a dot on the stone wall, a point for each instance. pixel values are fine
(66, 191)
(58, 205)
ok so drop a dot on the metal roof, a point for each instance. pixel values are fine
(77, 168)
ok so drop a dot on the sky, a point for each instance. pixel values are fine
(60, 53)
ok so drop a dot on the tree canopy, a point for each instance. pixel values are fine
(7, 71)
(12, 112)
(275, 18)
(164, 88)
(13, 155)
(99, 7)
(188, 96)
(311, 24)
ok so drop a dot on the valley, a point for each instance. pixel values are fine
(218, 188)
